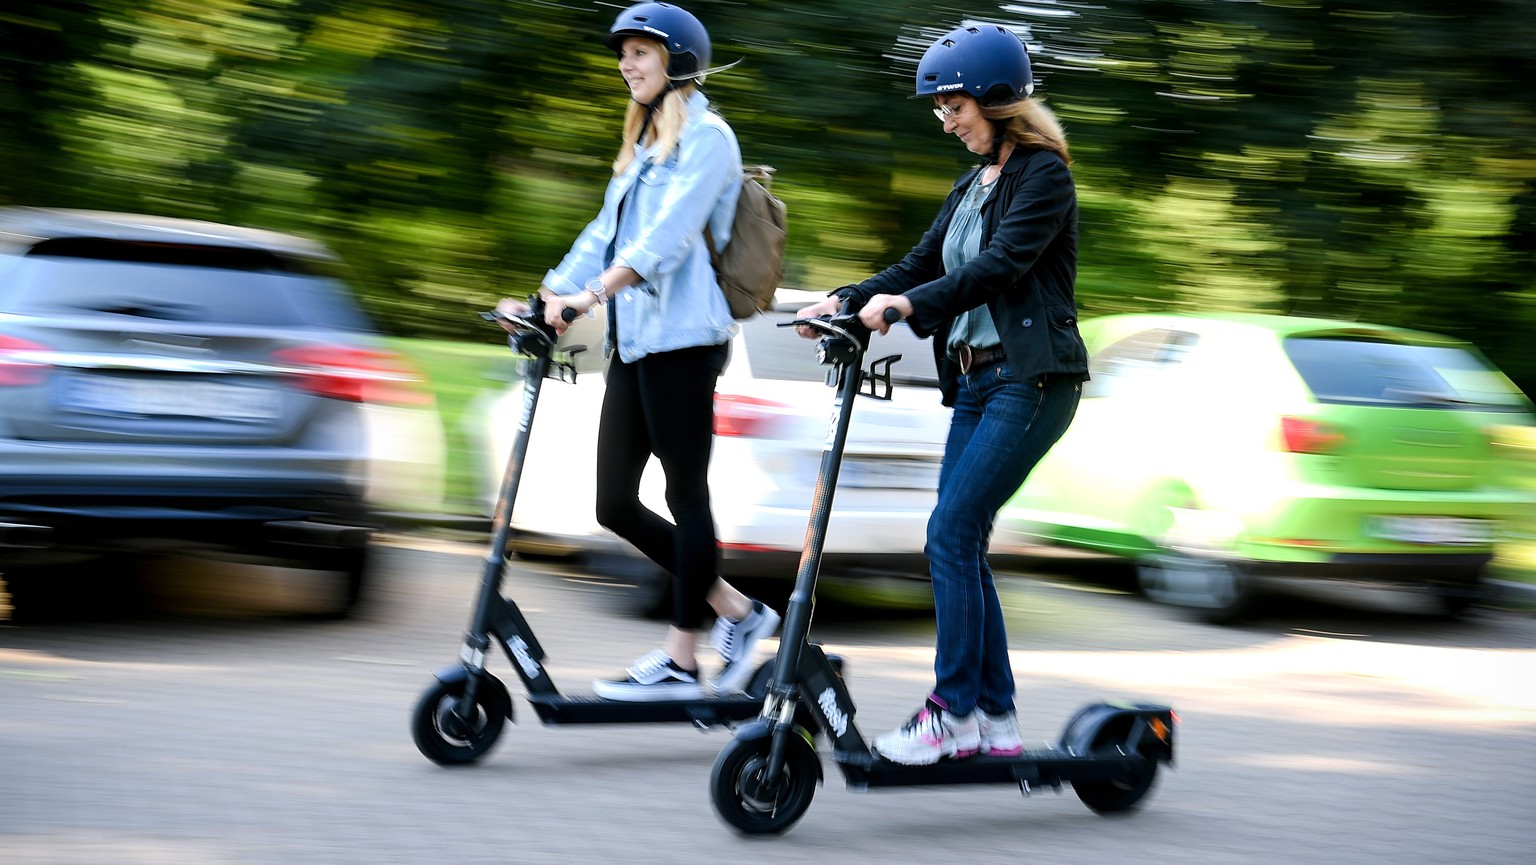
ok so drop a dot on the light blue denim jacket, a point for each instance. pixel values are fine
(678, 303)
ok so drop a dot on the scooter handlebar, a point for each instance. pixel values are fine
(533, 320)
(831, 325)
(566, 314)
(531, 323)
(845, 320)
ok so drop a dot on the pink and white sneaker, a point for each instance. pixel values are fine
(999, 734)
(930, 736)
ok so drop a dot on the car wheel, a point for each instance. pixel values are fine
(542, 556)
(655, 600)
(89, 588)
(530, 549)
(352, 566)
(1216, 590)
(1452, 600)
(337, 582)
(29, 595)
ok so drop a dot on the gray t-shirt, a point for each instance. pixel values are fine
(962, 242)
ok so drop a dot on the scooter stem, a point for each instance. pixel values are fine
(849, 364)
(802, 600)
(535, 340)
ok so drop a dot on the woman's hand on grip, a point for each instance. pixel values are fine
(873, 313)
(830, 306)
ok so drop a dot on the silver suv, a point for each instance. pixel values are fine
(172, 385)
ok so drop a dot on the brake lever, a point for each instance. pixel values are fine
(531, 325)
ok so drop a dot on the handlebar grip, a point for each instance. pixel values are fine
(568, 314)
(890, 315)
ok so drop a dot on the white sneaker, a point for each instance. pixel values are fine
(735, 640)
(999, 734)
(654, 676)
(930, 736)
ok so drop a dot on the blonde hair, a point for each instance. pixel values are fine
(666, 125)
(1029, 123)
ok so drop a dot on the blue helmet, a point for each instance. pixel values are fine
(686, 41)
(985, 61)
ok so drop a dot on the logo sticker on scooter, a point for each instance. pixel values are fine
(835, 715)
(530, 667)
(526, 417)
(832, 427)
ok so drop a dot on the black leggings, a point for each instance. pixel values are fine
(663, 404)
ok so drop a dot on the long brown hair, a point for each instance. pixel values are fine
(666, 124)
(1028, 123)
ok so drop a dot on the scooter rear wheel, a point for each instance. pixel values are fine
(447, 739)
(736, 785)
(1113, 795)
(1120, 794)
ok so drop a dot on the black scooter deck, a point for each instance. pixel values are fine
(1044, 767)
(591, 709)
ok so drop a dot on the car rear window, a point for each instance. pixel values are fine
(177, 282)
(1126, 365)
(779, 354)
(1360, 372)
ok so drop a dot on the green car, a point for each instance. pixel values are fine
(1228, 452)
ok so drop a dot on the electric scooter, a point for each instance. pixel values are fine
(763, 781)
(461, 714)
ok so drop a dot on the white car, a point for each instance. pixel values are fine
(773, 412)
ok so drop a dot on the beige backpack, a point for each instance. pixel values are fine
(751, 266)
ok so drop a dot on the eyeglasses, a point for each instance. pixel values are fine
(944, 112)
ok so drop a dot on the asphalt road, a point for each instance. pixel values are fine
(208, 732)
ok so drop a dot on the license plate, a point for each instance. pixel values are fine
(164, 399)
(1433, 531)
(897, 474)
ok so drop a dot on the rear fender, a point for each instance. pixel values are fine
(1140, 729)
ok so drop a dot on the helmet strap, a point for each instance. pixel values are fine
(651, 108)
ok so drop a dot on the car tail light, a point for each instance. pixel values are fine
(18, 366)
(751, 417)
(754, 548)
(1305, 436)
(354, 374)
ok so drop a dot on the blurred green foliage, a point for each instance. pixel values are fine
(1364, 159)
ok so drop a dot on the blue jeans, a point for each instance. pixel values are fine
(1000, 430)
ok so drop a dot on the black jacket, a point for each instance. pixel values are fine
(1024, 273)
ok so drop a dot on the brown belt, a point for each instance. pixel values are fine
(972, 358)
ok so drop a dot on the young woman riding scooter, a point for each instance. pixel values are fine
(678, 171)
(992, 282)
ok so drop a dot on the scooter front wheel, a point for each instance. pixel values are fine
(748, 800)
(449, 739)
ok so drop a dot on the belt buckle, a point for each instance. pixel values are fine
(967, 357)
